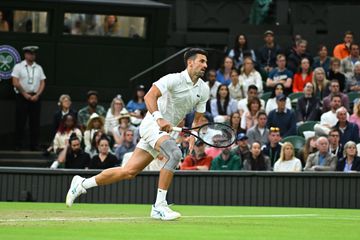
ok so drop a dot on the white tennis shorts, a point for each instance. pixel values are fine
(149, 135)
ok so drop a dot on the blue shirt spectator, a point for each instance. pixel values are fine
(221, 78)
(277, 74)
(121, 150)
(223, 74)
(132, 106)
(137, 102)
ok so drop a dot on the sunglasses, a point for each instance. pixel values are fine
(274, 129)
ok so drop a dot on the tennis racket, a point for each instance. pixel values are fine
(217, 135)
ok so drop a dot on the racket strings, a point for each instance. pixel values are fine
(217, 135)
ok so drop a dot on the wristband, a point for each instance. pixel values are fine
(156, 115)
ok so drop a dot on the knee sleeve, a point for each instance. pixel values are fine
(172, 153)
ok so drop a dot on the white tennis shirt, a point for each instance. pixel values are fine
(180, 96)
(29, 76)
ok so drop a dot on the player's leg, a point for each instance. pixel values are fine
(137, 162)
(168, 147)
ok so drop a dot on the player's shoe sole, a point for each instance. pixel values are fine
(75, 190)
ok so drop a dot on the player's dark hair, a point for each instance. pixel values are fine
(192, 52)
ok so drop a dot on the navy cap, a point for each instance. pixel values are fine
(281, 97)
(241, 136)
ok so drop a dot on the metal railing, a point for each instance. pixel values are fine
(213, 50)
(159, 64)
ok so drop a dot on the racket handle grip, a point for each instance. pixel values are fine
(177, 129)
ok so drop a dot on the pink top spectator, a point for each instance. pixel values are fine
(213, 152)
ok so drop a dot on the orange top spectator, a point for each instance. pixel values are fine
(342, 50)
(303, 76)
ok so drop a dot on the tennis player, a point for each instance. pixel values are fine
(168, 101)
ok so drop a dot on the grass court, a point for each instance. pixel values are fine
(40, 221)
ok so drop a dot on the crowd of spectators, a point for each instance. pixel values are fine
(252, 91)
(94, 137)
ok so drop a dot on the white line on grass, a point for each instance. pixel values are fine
(256, 216)
(98, 219)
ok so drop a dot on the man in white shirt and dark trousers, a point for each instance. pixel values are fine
(28, 79)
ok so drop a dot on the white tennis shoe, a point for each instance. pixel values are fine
(76, 189)
(163, 212)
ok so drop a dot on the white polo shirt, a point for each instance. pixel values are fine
(29, 76)
(180, 97)
(330, 118)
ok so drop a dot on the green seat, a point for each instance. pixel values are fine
(306, 126)
(297, 141)
(265, 96)
(294, 98)
(352, 96)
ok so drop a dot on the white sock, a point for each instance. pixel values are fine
(161, 196)
(89, 183)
